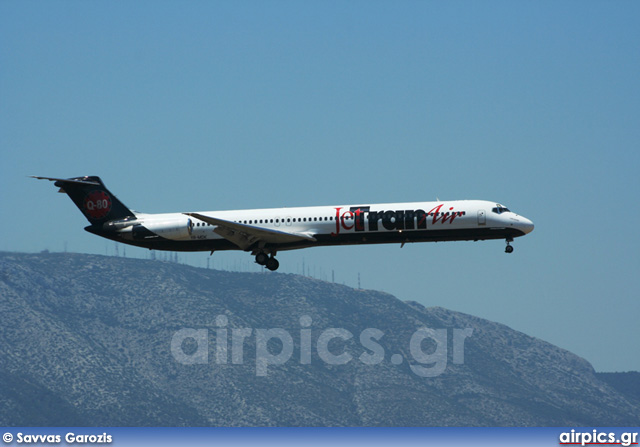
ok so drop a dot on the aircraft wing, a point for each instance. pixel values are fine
(244, 236)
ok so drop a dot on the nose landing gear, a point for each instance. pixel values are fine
(509, 248)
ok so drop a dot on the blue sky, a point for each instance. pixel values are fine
(209, 105)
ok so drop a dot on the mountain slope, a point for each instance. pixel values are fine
(626, 383)
(92, 336)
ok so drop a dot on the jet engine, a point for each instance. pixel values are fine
(178, 229)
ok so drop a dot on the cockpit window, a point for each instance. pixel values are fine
(499, 209)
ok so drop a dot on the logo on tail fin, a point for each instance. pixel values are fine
(97, 204)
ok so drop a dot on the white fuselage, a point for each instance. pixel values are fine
(352, 224)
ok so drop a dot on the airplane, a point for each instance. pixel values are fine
(265, 232)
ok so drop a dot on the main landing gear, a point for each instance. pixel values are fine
(268, 261)
(509, 248)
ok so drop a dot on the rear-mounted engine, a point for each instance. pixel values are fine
(172, 229)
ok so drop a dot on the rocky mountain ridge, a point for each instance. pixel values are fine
(95, 340)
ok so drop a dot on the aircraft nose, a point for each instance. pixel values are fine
(525, 225)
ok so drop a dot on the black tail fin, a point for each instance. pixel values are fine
(93, 198)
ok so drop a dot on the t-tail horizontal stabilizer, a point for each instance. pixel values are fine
(90, 195)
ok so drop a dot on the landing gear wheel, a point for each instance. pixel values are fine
(272, 264)
(509, 248)
(262, 258)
